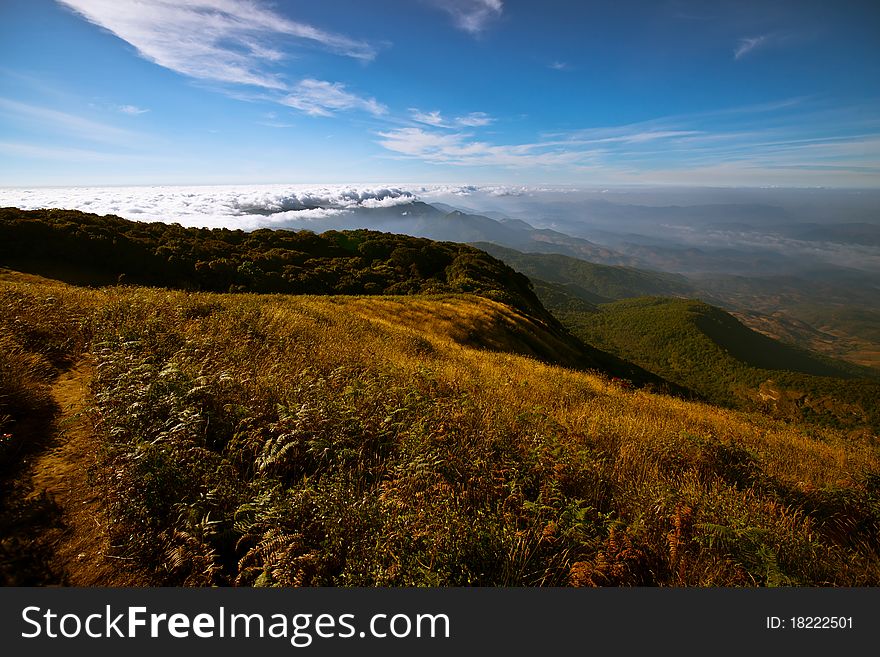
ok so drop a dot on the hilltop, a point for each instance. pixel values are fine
(830, 311)
(85, 248)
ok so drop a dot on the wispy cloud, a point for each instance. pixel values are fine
(230, 41)
(458, 148)
(474, 120)
(679, 124)
(628, 137)
(271, 120)
(750, 44)
(559, 66)
(428, 118)
(472, 16)
(63, 123)
(276, 124)
(132, 110)
(322, 98)
(40, 152)
(782, 142)
(237, 43)
(436, 119)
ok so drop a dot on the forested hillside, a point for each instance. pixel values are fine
(707, 350)
(85, 248)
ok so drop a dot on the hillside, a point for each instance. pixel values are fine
(266, 440)
(589, 281)
(826, 310)
(836, 314)
(83, 248)
(89, 249)
(707, 350)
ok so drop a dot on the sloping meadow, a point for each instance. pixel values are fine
(298, 440)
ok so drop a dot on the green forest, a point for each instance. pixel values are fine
(708, 351)
(89, 249)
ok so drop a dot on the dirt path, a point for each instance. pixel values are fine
(77, 541)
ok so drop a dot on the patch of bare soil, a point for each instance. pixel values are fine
(61, 525)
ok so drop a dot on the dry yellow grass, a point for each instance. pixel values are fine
(420, 440)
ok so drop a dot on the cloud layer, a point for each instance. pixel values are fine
(240, 206)
(649, 212)
(250, 206)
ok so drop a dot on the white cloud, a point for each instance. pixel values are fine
(474, 120)
(38, 152)
(748, 44)
(559, 66)
(459, 149)
(322, 98)
(63, 123)
(436, 119)
(132, 110)
(429, 118)
(646, 136)
(250, 206)
(292, 217)
(472, 16)
(240, 206)
(244, 206)
(271, 199)
(746, 142)
(416, 142)
(229, 41)
(236, 42)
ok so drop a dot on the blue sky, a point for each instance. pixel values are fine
(469, 91)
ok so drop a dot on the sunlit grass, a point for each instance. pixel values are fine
(290, 440)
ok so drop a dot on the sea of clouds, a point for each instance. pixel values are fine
(321, 207)
(241, 206)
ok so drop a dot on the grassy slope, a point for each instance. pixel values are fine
(707, 350)
(694, 345)
(83, 248)
(343, 440)
(840, 325)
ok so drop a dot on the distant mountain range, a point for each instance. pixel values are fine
(444, 223)
(589, 281)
